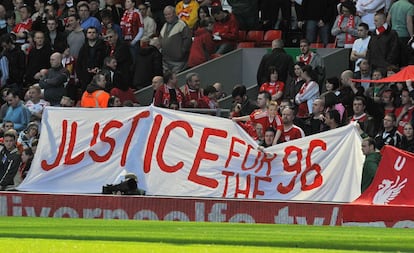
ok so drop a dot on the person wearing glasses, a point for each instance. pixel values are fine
(108, 23)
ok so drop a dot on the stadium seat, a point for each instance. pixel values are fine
(320, 45)
(269, 36)
(331, 45)
(272, 35)
(316, 45)
(242, 35)
(255, 36)
(246, 44)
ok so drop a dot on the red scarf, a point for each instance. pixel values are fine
(303, 111)
(380, 30)
(166, 97)
(187, 93)
(130, 24)
(306, 59)
(349, 39)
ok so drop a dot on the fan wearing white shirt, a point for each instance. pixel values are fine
(360, 46)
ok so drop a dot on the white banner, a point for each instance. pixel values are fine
(183, 154)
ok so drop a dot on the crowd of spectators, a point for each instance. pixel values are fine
(97, 53)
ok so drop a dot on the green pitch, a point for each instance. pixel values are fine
(21, 234)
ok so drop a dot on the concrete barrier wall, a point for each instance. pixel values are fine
(240, 67)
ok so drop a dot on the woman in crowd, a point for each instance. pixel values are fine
(273, 85)
(345, 26)
(203, 13)
(114, 101)
(292, 88)
(332, 103)
(203, 45)
(407, 140)
(332, 85)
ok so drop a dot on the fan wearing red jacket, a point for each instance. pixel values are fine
(203, 45)
(225, 30)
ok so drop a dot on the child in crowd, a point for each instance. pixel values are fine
(27, 136)
(209, 99)
(268, 118)
(114, 101)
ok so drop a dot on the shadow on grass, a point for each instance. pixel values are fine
(404, 246)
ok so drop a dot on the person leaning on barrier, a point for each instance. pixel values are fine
(372, 159)
(10, 159)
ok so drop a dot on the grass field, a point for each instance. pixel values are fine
(22, 234)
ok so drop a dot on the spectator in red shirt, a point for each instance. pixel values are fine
(25, 26)
(225, 30)
(203, 45)
(273, 85)
(169, 94)
(209, 100)
(290, 130)
(192, 91)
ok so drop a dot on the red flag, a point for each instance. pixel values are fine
(403, 75)
(393, 183)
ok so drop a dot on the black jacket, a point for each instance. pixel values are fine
(17, 66)
(278, 58)
(148, 64)
(384, 49)
(123, 58)
(90, 57)
(9, 165)
(38, 59)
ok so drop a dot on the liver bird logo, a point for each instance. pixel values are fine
(388, 190)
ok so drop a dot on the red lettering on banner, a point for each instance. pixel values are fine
(244, 192)
(203, 154)
(247, 155)
(189, 130)
(296, 167)
(226, 182)
(68, 158)
(111, 141)
(238, 190)
(45, 166)
(312, 167)
(94, 139)
(144, 114)
(151, 143)
(233, 153)
(256, 190)
(267, 158)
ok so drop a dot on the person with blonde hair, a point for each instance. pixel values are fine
(268, 118)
